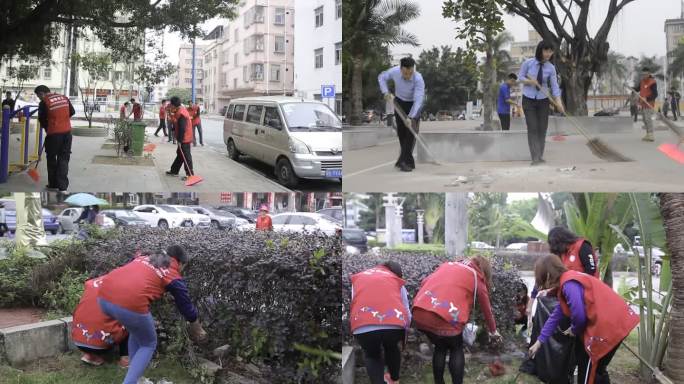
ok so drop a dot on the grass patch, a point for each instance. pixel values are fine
(414, 247)
(68, 369)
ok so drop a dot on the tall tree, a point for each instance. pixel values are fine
(479, 23)
(369, 24)
(579, 55)
(676, 69)
(502, 57)
(462, 69)
(32, 28)
(21, 74)
(672, 208)
(97, 66)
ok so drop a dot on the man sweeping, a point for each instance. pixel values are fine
(54, 115)
(409, 89)
(183, 132)
(648, 90)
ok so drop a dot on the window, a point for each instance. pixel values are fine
(47, 73)
(301, 220)
(318, 12)
(257, 72)
(254, 43)
(235, 83)
(279, 16)
(236, 34)
(254, 114)
(272, 118)
(318, 57)
(239, 113)
(245, 74)
(188, 71)
(338, 53)
(275, 72)
(188, 81)
(235, 60)
(229, 112)
(279, 219)
(188, 62)
(254, 15)
(279, 44)
(338, 9)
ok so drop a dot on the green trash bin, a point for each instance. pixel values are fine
(137, 138)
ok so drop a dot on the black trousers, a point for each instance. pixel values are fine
(505, 119)
(57, 155)
(675, 110)
(406, 139)
(537, 119)
(172, 137)
(161, 127)
(197, 129)
(453, 347)
(373, 344)
(584, 364)
(175, 167)
(123, 349)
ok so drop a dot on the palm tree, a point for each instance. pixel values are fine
(369, 24)
(616, 70)
(502, 57)
(672, 208)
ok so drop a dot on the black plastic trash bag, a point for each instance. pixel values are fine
(554, 363)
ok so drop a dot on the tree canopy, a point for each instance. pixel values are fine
(463, 73)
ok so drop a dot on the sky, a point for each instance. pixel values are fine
(638, 29)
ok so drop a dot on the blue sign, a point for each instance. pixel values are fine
(328, 91)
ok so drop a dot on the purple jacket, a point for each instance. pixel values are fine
(574, 295)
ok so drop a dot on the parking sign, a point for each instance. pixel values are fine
(328, 91)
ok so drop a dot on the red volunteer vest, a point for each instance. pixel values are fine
(196, 115)
(137, 111)
(645, 92)
(572, 261)
(92, 328)
(137, 284)
(449, 292)
(59, 115)
(604, 332)
(187, 138)
(162, 113)
(264, 223)
(377, 299)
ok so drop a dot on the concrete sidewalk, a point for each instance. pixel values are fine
(219, 172)
(372, 170)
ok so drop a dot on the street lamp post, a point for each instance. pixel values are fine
(420, 219)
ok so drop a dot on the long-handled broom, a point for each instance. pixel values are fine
(670, 150)
(33, 172)
(407, 122)
(597, 146)
(192, 179)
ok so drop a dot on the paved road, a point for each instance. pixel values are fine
(213, 139)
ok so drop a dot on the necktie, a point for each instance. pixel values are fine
(540, 78)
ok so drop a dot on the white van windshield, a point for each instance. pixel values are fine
(310, 117)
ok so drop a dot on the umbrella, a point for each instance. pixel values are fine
(84, 200)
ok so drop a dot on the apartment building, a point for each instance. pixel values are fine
(183, 76)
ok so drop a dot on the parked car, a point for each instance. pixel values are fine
(355, 238)
(163, 216)
(517, 246)
(67, 220)
(219, 219)
(240, 213)
(335, 212)
(480, 245)
(198, 219)
(304, 221)
(50, 221)
(300, 138)
(125, 218)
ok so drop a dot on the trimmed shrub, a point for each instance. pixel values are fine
(16, 288)
(417, 266)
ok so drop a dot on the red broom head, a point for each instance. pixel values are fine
(33, 174)
(673, 152)
(192, 180)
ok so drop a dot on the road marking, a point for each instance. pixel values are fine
(368, 169)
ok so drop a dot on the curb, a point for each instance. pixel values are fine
(23, 344)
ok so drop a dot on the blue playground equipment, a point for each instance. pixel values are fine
(26, 156)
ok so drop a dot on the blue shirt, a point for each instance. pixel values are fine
(412, 89)
(529, 69)
(371, 328)
(503, 108)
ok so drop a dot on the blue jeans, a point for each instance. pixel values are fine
(142, 337)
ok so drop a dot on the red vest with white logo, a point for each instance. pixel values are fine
(91, 327)
(571, 258)
(137, 284)
(58, 113)
(605, 331)
(645, 92)
(195, 111)
(187, 136)
(377, 299)
(449, 292)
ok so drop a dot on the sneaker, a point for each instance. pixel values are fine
(388, 379)
(124, 362)
(91, 359)
(648, 137)
(184, 178)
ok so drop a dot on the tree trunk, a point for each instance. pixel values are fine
(575, 86)
(489, 77)
(356, 91)
(672, 209)
(456, 224)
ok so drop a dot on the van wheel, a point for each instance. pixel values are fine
(285, 173)
(233, 152)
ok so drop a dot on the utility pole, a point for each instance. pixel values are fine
(456, 224)
(193, 70)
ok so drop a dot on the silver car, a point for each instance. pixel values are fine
(300, 138)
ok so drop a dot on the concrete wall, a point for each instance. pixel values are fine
(458, 147)
(26, 343)
(593, 125)
(365, 136)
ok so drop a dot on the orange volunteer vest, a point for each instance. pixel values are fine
(572, 261)
(91, 327)
(187, 138)
(645, 92)
(377, 299)
(59, 115)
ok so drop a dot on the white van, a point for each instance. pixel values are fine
(300, 138)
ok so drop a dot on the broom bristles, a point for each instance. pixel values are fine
(33, 174)
(601, 150)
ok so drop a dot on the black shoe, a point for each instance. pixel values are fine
(155, 135)
(535, 163)
(412, 166)
(49, 188)
(542, 161)
(169, 173)
(405, 168)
